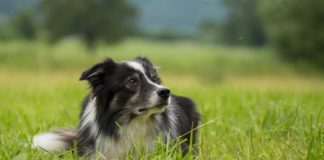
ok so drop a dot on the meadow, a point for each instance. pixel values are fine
(253, 105)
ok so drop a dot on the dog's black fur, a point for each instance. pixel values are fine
(128, 107)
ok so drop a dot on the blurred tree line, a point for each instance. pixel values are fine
(294, 27)
(243, 25)
(90, 20)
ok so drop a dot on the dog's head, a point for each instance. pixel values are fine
(131, 87)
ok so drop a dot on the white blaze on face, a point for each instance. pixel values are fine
(139, 67)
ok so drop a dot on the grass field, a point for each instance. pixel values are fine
(261, 108)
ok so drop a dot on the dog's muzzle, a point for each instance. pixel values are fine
(162, 102)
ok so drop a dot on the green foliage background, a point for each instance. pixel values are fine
(296, 28)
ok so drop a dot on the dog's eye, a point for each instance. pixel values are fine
(155, 79)
(132, 83)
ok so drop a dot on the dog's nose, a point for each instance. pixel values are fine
(164, 93)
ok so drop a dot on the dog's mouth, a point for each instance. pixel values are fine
(157, 108)
(141, 110)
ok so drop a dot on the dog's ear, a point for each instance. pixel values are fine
(95, 70)
(143, 60)
(98, 70)
(146, 63)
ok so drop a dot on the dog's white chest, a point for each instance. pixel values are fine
(138, 136)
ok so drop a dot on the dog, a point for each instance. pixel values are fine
(127, 109)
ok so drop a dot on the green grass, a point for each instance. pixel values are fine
(263, 108)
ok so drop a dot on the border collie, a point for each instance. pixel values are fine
(126, 110)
